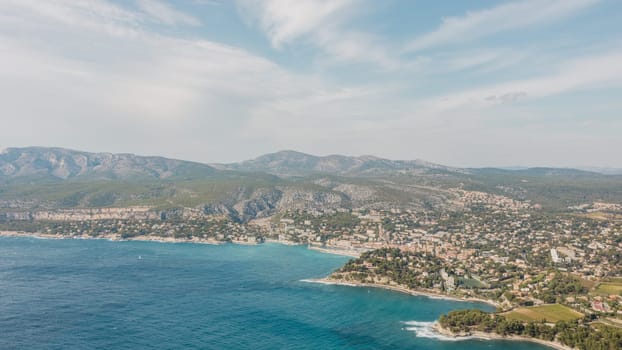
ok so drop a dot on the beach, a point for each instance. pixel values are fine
(152, 238)
(115, 237)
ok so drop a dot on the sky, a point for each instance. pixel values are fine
(461, 83)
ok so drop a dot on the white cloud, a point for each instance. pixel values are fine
(284, 21)
(481, 60)
(166, 14)
(97, 79)
(92, 15)
(98, 76)
(323, 24)
(598, 71)
(514, 15)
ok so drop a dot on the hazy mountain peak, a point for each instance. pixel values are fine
(64, 163)
(288, 162)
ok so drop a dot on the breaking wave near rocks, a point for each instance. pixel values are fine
(427, 330)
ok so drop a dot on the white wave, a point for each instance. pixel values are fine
(321, 281)
(44, 237)
(311, 280)
(426, 330)
(36, 237)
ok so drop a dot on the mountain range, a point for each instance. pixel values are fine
(65, 164)
(292, 163)
(40, 178)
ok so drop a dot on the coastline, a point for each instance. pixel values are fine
(118, 238)
(396, 288)
(494, 336)
(160, 239)
(400, 289)
(325, 280)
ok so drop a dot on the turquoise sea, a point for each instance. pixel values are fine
(97, 294)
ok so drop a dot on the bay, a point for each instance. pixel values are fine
(98, 294)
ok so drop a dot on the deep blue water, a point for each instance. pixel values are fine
(96, 294)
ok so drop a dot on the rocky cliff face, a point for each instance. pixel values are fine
(260, 203)
(82, 214)
(265, 202)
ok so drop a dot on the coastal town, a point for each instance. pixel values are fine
(509, 253)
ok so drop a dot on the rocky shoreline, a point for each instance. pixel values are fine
(437, 327)
(494, 336)
(397, 288)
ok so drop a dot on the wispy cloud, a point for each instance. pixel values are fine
(321, 23)
(597, 71)
(159, 84)
(510, 16)
(166, 14)
(284, 21)
(96, 15)
(75, 73)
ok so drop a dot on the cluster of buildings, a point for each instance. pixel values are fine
(490, 240)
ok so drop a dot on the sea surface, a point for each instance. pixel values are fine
(97, 294)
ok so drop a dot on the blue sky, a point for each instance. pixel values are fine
(463, 83)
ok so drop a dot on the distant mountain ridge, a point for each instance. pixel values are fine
(603, 170)
(294, 163)
(39, 178)
(536, 171)
(64, 163)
